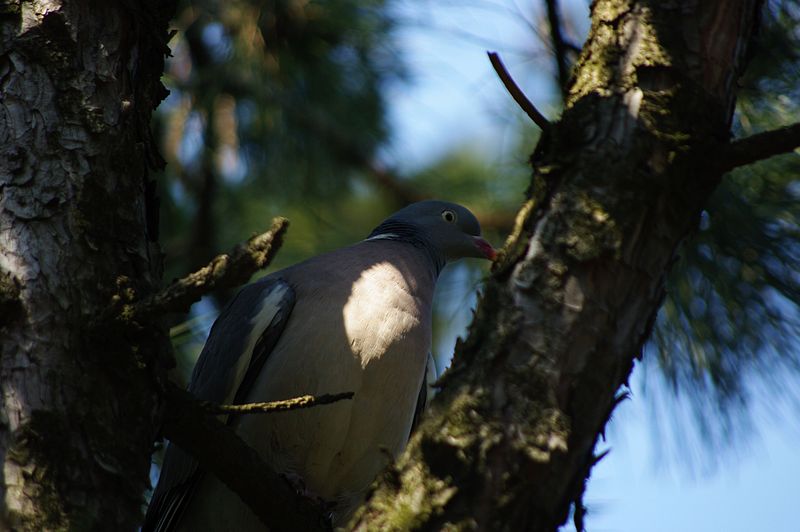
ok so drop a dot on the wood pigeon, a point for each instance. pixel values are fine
(357, 319)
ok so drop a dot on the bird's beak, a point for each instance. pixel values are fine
(485, 248)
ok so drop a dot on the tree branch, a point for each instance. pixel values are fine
(559, 47)
(516, 93)
(225, 270)
(222, 452)
(759, 147)
(296, 403)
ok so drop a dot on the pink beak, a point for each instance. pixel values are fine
(486, 248)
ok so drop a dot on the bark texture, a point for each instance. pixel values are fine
(78, 82)
(617, 183)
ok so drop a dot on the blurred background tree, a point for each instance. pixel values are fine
(283, 107)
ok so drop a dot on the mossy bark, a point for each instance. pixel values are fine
(618, 182)
(78, 83)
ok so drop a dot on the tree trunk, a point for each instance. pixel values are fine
(618, 182)
(78, 220)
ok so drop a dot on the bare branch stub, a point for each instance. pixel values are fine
(758, 147)
(516, 93)
(296, 403)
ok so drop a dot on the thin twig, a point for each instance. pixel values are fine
(559, 47)
(572, 47)
(516, 93)
(759, 147)
(305, 401)
(227, 270)
(219, 450)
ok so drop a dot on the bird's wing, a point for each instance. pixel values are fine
(240, 341)
(426, 391)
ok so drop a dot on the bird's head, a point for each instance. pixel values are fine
(450, 230)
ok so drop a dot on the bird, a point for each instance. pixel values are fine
(357, 319)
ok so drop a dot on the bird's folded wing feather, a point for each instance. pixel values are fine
(426, 391)
(240, 341)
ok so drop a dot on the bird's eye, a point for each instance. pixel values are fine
(449, 216)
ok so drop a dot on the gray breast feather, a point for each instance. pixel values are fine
(240, 341)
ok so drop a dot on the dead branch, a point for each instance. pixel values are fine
(296, 403)
(224, 271)
(516, 93)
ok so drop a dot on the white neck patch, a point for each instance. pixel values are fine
(384, 236)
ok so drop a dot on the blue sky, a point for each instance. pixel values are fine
(455, 99)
